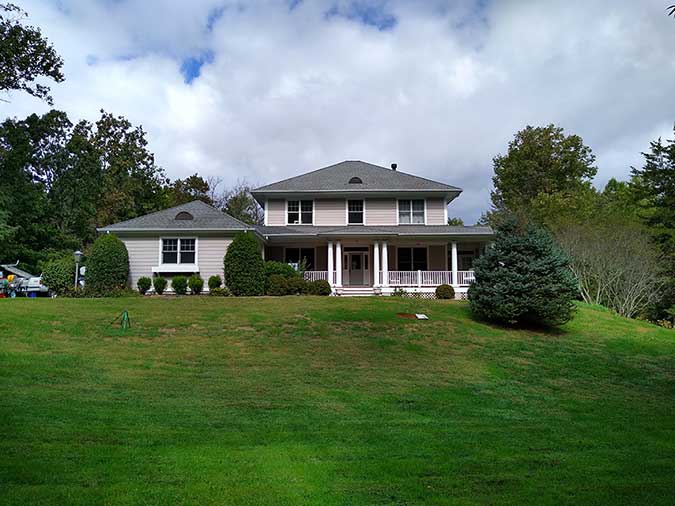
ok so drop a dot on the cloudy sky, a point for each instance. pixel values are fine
(264, 90)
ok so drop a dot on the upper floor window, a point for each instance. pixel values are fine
(355, 212)
(178, 251)
(411, 211)
(300, 212)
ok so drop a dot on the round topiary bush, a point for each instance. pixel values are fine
(523, 279)
(215, 282)
(445, 291)
(179, 285)
(278, 285)
(319, 287)
(244, 267)
(144, 285)
(59, 275)
(196, 284)
(107, 266)
(296, 285)
(160, 284)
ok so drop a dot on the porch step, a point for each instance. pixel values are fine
(356, 291)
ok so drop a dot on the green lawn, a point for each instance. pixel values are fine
(334, 401)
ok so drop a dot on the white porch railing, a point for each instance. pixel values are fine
(428, 278)
(314, 275)
(465, 277)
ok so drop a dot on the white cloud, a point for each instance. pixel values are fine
(441, 92)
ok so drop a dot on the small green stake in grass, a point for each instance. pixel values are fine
(125, 322)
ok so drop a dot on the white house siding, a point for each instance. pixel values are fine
(143, 256)
(436, 212)
(330, 212)
(381, 211)
(276, 212)
(210, 256)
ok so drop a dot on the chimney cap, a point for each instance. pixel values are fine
(394, 166)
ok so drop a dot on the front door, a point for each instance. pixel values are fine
(356, 268)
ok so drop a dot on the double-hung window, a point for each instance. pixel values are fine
(412, 259)
(411, 212)
(300, 212)
(355, 212)
(178, 251)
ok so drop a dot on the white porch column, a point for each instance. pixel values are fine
(330, 263)
(385, 264)
(455, 281)
(338, 264)
(376, 263)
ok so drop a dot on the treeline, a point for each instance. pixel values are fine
(620, 240)
(59, 181)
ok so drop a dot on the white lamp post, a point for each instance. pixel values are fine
(78, 257)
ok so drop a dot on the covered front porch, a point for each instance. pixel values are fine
(381, 267)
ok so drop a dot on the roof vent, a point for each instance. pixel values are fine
(393, 166)
(355, 180)
(184, 215)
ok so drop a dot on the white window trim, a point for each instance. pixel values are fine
(445, 211)
(398, 219)
(177, 267)
(300, 212)
(347, 213)
(266, 210)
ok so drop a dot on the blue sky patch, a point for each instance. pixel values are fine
(191, 67)
(369, 13)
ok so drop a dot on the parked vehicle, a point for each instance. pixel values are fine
(22, 283)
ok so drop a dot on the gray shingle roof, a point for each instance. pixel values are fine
(205, 217)
(335, 178)
(394, 230)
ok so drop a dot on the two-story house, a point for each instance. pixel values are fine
(364, 228)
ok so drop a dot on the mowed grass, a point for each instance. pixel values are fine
(329, 401)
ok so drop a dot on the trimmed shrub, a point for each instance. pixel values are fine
(160, 284)
(319, 287)
(220, 291)
(107, 266)
(278, 285)
(196, 284)
(296, 285)
(144, 285)
(179, 285)
(59, 275)
(215, 282)
(445, 291)
(244, 267)
(280, 268)
(523, 279)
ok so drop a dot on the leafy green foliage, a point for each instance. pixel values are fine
(179, 285)
(25, 55)
(196, 284)
(182, 191)
(523, 279)
(280, 268)
(107, 266)
(159, 283)
(456, 222)
(221, 291)
(59, 274)
(244, 266)
(297, 285)
(544, 173)
(239, 203)
(319, 287)
(445, 291)
(144, 285)
(277, 285)
(215, 282)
